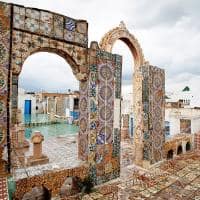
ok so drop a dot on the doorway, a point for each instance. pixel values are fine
(27, 107)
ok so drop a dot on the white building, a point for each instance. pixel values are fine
(181, 119)
(187, 95)
(182, 114)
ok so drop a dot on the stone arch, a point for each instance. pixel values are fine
(39, 192)
(170, 154)
(141, 85)
(107, 43)
(179, 150)
(123, 34)
(16, 67)
(70, 186)
(74, 56)
(64, 54)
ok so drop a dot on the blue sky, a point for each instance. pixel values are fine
(168, 32)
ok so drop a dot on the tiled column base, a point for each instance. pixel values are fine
(3, 189)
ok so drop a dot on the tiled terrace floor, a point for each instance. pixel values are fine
(178, 179)
(171, 180)
(62, 153)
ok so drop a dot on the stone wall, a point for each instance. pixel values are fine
(175, 142)
(53, 181)
(60, 106)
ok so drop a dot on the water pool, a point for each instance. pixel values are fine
(48, 130)
(53, 130)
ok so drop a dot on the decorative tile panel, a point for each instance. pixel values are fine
(4, 65)
(153, 107)
(46, 17)
(81, 27)
(69, 35)
(51, 25)
(99, 73)
(46, 28)
(19, 21)
(32, 13)
(31, 25)
(70, 24)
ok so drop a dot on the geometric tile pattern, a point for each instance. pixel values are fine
(4, 66)
(83, 121)
(178, 179)
(153, 108)
(103, 139)
(99, 73)
(51, 25)
(105, 101)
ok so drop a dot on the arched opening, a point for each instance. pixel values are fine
(43, 93)
(170, 154)
(136, 60)
(188, 146)
(127, 78)
(179, 150)
(70, 186)
(36, 193)
(108, 43)
(127, 94)
(48, 92)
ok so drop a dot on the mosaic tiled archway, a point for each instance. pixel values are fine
(107, 43)
(123, 34)
(148, 86)
(28, 30)
(24, 31)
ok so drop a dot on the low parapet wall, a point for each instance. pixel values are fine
(176, 141)
(52, 180)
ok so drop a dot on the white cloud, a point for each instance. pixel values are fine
(47, 71)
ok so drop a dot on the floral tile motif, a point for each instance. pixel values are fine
(101, 138)
(32, 13)
(3, 80)
(19, 21)
(32, 25)
(46, 28)
(80, 38)
(152, 97)
(70, 24)
(46, 17)
(4, 61)
(3, 53)
(81, 27)
(69, 35)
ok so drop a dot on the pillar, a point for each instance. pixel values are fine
(38, 157)
(125, 127)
